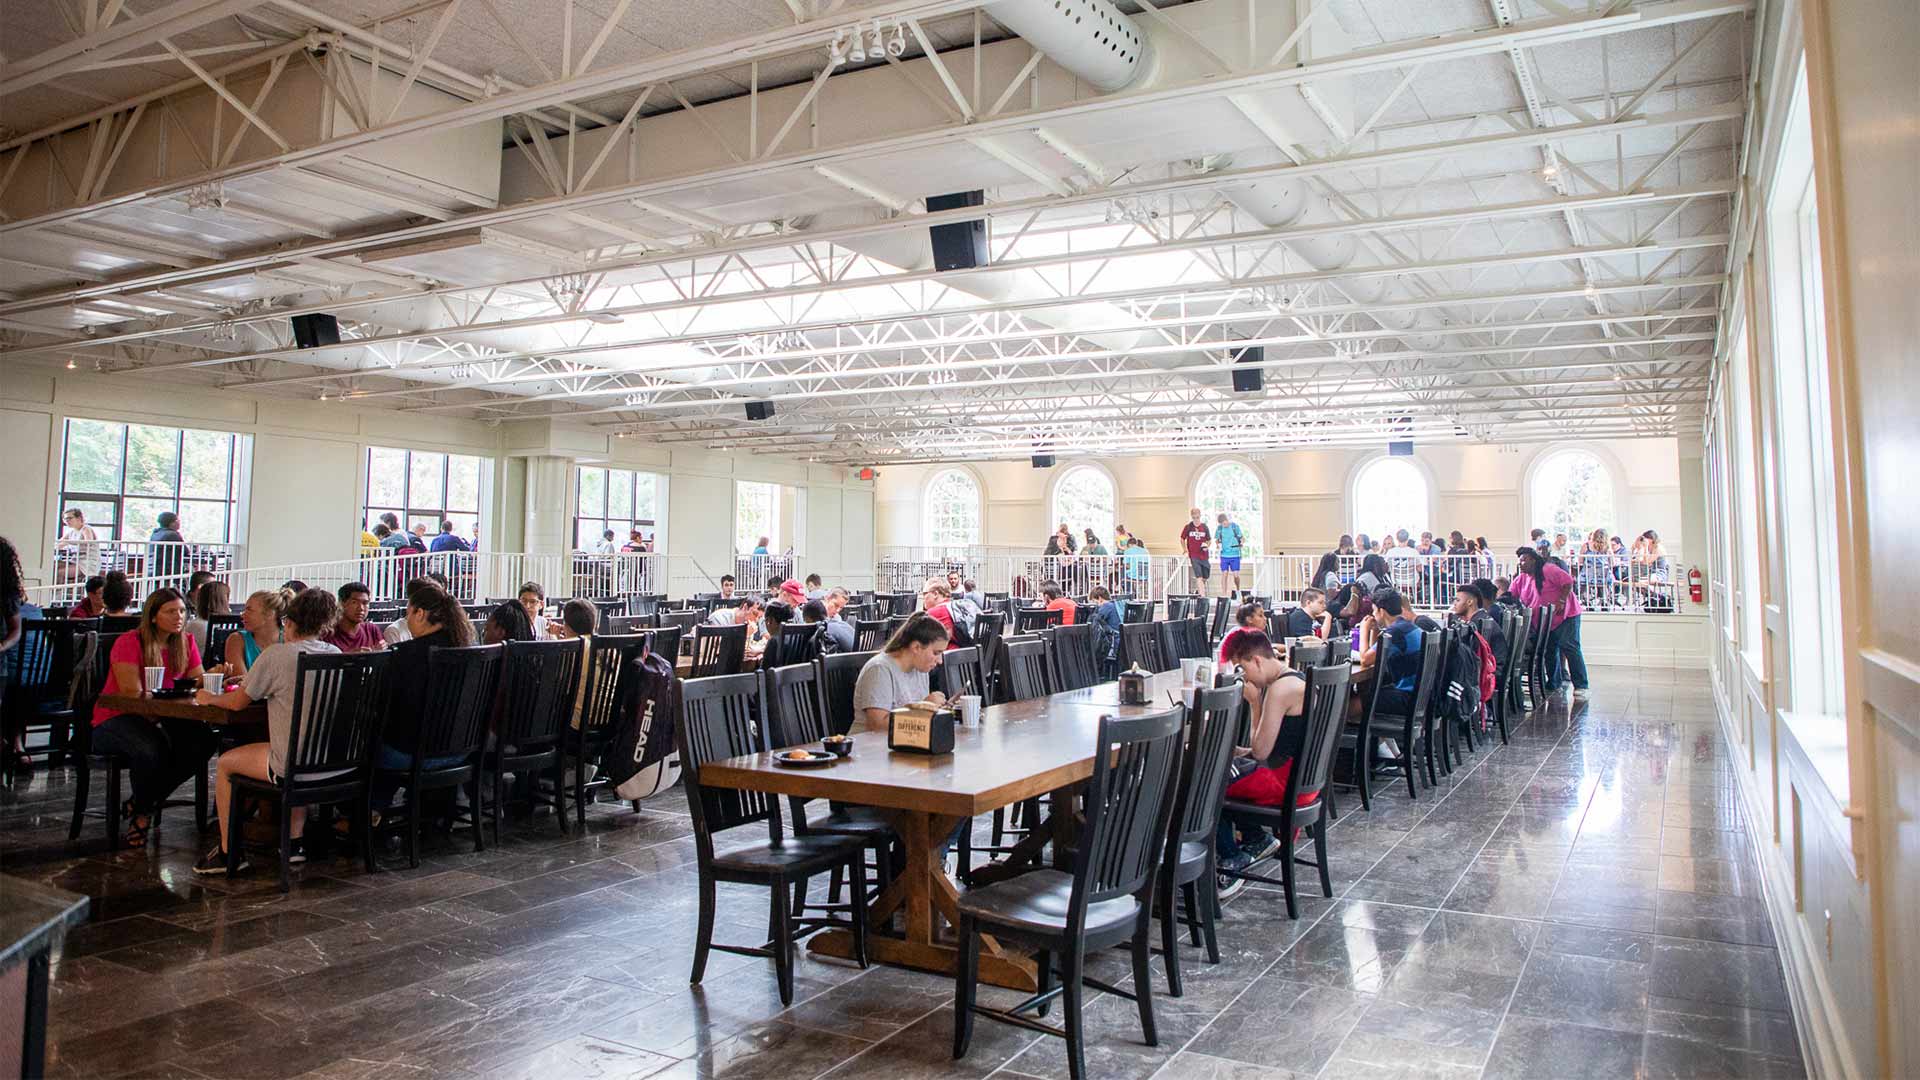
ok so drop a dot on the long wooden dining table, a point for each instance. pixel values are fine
(1019, 751)
(184, 708)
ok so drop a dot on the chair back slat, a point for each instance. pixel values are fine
(1432, 646)
(720, 719)
(798, 643)
(961, 672)
(631, 624)
(684, 620)
(461, 684)
(1307, 657)
(838, 673)
(1026, 675)
(1028, 620)
(869, 634)
(718, 650)
(1203, 771)
(538, 682)
(1072, 648)
(339, 701)
(1129, 803)
(794, 712)
(608, 659)
(1137, 611)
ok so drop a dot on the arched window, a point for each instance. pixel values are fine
(1083, 497)
(953, 509)
(1571, 492)
(1236, 489)
(1389, 494)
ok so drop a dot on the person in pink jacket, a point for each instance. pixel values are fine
(1541, 582)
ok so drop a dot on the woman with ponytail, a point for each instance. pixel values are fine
(260, 627)
(162, 752)
(435, 620)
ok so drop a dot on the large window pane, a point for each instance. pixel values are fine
(425, 477)
(143, 516)
(386, 477)
(1232, 487)
(953, 510)
(1388, 495)
(1572, 496)
(1084, 499)
(587, 532)
(756, 517)
(619, 494)
(153, 456)
(100, 515)
(206, 460)
(463, 483)
(93, 456)
(593, 492)
(203, 520)
(646, 504)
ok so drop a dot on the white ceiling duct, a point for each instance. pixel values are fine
(1091, 38)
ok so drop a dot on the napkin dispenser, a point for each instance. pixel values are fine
(1136, 686)
(917, 729)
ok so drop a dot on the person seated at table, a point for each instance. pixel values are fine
(434, 620)
(839, 631)
(1396, 651)
(396, 631)
(745, 613)
(934, 598)
(1248, 618)
(533, 600)
(900, 674)
(1056, 600)
(816, 589)
(116, 594)
(578, 619)
(1107, 619)
(1309, 619)
(1275, 694)
(789, 593)
(1503, 595)
(92, 605)
(506, 622)
(260, 627)
(352, 632)
(727, 586)
(1474, 603)
(778, 614)
(162, 752)
(1373, 574)
(211, 601)
(813, 611)
(195, 583)
(970, 591)
(272, 678)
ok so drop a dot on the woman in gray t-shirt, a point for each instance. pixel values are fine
(899, 674)
(271, 678)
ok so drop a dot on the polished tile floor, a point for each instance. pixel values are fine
(1581, 902)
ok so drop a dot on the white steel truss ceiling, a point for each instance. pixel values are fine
(1440, 220)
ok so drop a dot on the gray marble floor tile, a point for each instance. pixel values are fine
(1282, 1024)
(1530, 1049)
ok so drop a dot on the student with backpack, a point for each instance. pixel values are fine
(1231, 538)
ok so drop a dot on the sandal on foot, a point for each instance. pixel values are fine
(138, 825)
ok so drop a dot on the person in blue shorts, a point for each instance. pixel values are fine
(1230, 536)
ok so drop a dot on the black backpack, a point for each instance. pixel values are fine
(1461, 663)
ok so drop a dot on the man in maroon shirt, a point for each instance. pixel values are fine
(1196, 538)
(353, 633)
(91, 605)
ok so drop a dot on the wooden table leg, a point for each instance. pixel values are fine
(923, 892)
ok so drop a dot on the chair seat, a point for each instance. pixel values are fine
(852, 821)
(1037, 902)
(794, 856)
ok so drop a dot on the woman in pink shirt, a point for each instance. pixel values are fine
(1541, 582)
(162, 752)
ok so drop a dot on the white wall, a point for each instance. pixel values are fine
(303, 500)
(1478, 489)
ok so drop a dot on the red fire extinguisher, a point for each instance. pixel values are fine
(1696, 585)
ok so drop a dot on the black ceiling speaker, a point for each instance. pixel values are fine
(961, 245)
(759, 410)
(316, 330)
(1252, 378)
(1043, 461)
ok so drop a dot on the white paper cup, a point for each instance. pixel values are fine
(1187, 668)
(152, 678)
(214, 682)
(1187, 695)
(969, 708)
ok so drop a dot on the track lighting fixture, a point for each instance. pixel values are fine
(897, 44)
(858, 53)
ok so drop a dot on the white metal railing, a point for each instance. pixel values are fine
(155, 564)
(1022, 575)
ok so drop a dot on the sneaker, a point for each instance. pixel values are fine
(215, 862)
(1265, 845)
(297, 854)
(1229, 887)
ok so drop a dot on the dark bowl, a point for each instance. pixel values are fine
(840, 747)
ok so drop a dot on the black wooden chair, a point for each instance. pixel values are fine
(1025, 676)
(838, 673)
(39, 675)
(1539, 657)
(988, 628)
(1029, 620)
(339, 700)
(798, 643)
(1137, 611)
(630, 624)
(869, 634)
(538, 681)
(609, 660)
(1416, 724)
(796, 716)
(1074, 663)
(1140, 644)
(961, 672)
(1305, 657)
(221, 627)
(719, 720)
(1312, 746)
(119, 624)
(664, 640)
(1222, 616)
(461, 686)
(1107, 899)
(685, 621)
(1189, 867)
(718, 650)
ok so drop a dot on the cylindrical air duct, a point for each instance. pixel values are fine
(1091, 38)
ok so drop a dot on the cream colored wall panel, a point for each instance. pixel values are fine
(827, 542)
(28, 514)
(305, 499)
